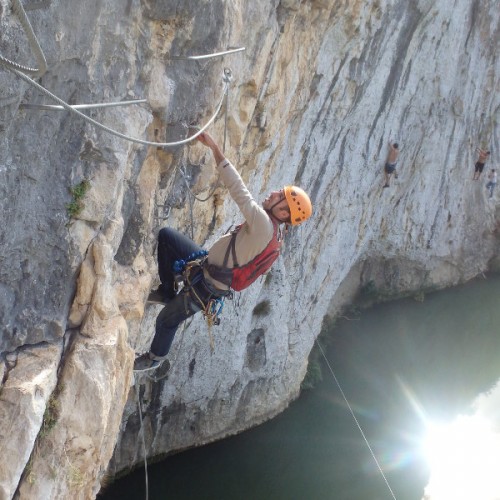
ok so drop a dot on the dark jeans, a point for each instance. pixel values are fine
(177, 310)
(172, 246)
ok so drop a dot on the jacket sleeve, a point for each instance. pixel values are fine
(255, 216)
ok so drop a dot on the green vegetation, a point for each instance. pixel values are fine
(314, 373)
(370, 293)
(75, 476)
(75, 206)
(353, 311)
(268, 278)
(28, 470)
(52, 410)
(262, 308)
(50, 416)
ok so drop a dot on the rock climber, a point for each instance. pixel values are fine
(390, 165)
(492, 181)
(479, 166)
(233, 262)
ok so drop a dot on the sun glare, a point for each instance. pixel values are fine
(464, 460)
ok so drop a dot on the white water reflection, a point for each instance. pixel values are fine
(464, 455)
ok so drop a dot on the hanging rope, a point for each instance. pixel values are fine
(355, 419)
(227, 78)
(17, 7)
(143, 439)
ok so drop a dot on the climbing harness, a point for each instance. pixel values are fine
(179, 266)
(189, 273)
(355, 419)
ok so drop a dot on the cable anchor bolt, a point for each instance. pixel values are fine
(227, 76)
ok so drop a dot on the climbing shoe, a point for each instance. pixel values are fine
(156, 297)
(146, 362)
(159, 296)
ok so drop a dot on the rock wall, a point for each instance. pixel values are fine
(320, 89)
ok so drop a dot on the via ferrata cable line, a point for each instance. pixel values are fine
(227, 80)
(22, 72)
(355, 420)
(114, 132)
(17, 7)
(49, 107)
(208, 56)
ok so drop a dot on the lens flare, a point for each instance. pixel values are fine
(464, 459)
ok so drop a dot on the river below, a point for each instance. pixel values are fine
(400, 365)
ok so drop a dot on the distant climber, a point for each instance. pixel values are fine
(233, 262)
(390, 165)
(492, 181)
(479, 166)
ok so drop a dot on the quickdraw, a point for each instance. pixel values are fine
(213, 310)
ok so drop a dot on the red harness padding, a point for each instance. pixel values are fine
(240, 277)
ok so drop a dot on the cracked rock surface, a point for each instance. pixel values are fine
(316, 96)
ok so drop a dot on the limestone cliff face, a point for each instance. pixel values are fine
(320, 89)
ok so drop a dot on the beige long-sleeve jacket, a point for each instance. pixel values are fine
(255, 234)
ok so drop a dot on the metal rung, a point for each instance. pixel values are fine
(81, 106)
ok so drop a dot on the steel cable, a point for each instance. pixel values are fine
(356, 421)
(17, 7)
(114, 132)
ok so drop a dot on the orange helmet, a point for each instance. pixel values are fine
(299, 203)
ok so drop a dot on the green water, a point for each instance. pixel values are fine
(397, 363)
